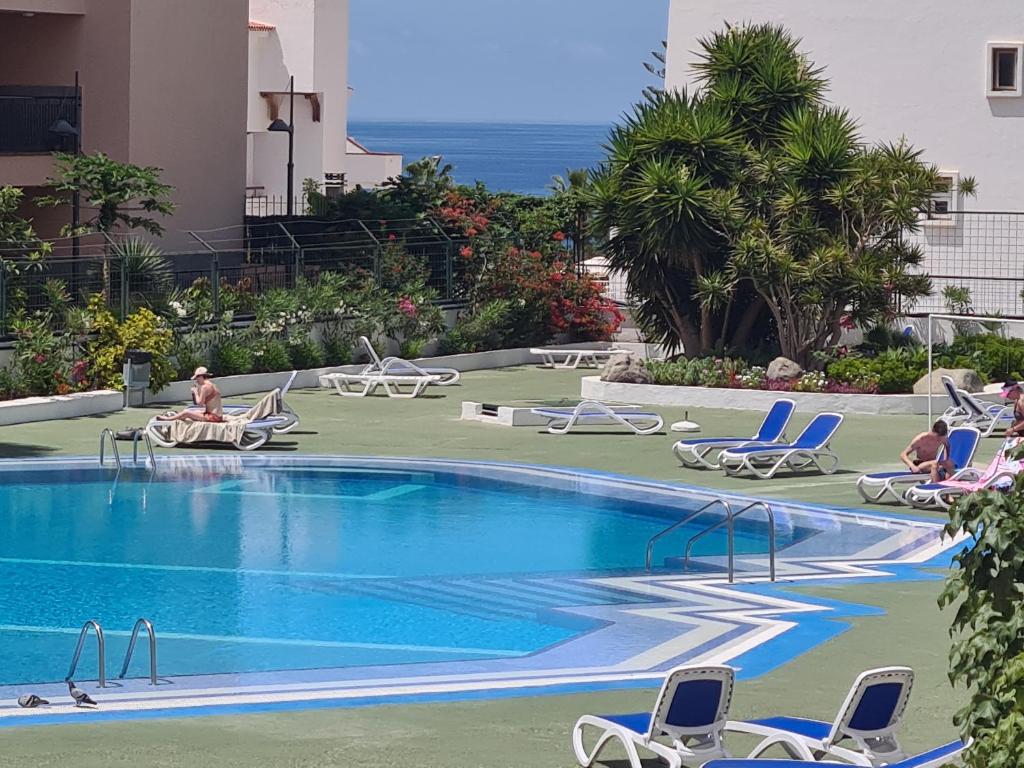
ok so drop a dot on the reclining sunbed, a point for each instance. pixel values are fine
(809, 449)
(246, 432)
(1000, 473)
(697, 452)
(396, 366)
(574, 358)
(876, 486)
(596, 413)
(289, 418)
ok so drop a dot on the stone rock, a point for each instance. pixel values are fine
(963, 378)
(626, 369)
(783, 368)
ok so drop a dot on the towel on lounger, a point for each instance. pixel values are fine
(228, 431)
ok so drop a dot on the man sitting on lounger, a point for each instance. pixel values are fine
(925, 448)
(1012, 392)
(204, 393)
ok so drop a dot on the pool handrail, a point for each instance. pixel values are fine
(100, 649)
(731, 538)
(108, 432)
(148, 626)
(679, 523)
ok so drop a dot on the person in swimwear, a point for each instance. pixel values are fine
(926, 447)
(204, 393)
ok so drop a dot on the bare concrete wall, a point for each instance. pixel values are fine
(189, 68)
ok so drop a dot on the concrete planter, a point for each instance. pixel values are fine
(755, 399)
(29, 409)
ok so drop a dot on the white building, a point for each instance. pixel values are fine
(946, 75)
(307, 39)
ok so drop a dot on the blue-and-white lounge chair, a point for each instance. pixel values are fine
(956, 412)
(933, 758)
(998, 475)
(989, 418)
(876, 486)
(809, 448)
(595, 413)
(869, 717)
(396, 366)
(696, 451)
(691, 710)
(289, 419)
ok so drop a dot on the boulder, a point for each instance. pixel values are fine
(626, 369)
(963, 378)
(783, 368)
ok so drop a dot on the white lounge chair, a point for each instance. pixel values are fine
(870, 717)
(396, 366)
(989, 418)
(695, 452)
(364, 384)
(289, 418)
(246, 432)
(574, 358)
(809, 449)
(691, 710)
(940, 757)
(876, 486)
(956, 412)
(595, 413)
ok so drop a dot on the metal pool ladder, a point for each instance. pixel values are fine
(680, 523)
(148, 626)
(100, 648)
(729, 520)
(140, 436)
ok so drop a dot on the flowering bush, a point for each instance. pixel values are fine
(738, 374)
(141, 330)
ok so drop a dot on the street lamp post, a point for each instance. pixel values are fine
(280, 125)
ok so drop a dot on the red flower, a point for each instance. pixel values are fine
(471, 232)
(392, 236)
(559, 236)
(465, 251)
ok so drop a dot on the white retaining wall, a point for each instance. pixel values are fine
(593, 388)
(28, 409)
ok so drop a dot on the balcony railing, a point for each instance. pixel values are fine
(27, 112)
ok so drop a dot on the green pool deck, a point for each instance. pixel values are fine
(529, 731)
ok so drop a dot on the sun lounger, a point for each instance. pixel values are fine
(364, 384)
(574, 358)
(691, 710)
(289, 418)
(870, 717)
(595, 413)
(1000, 473)
(696, 452)
(956, 413)
(396, 366)
(246, 432)
(933, 758)
(809, 449)
(988, 418)
(876, 486)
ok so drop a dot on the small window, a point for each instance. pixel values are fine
(1004, 69)
(942, 198)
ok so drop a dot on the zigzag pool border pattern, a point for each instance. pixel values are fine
(754, 625)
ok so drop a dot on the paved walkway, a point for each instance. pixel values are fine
(518, 731)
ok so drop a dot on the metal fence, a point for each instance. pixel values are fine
(235, 264)
(982, 251)
(28, 114)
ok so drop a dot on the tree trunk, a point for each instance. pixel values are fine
(746, 324)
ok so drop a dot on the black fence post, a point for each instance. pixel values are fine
(3, 295)
(215, 282)
(125, 284)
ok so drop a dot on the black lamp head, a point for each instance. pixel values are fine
(280, 125)
(63, 128)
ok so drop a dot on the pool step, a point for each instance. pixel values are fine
(496, 598)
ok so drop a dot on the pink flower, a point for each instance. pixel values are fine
(846, 322)
(40, 358)
(406, 307)
(559, 236)
(392, 236)
(465, 251)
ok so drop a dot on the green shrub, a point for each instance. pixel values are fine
(141, 330)
(484, 329)
(305, 353)
(337, 350)
(271, 356)
(231, 358)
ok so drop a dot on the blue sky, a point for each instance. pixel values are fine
(501, 60)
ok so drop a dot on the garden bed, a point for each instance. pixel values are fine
(28, 409)
(756, 399)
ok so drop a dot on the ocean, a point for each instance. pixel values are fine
(507, 157)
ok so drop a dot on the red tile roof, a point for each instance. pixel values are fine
(260, 26)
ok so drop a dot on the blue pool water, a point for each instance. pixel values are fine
(250, 568)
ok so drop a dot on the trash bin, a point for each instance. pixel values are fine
(136, 373)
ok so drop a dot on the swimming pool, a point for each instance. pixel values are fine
(252, 564)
